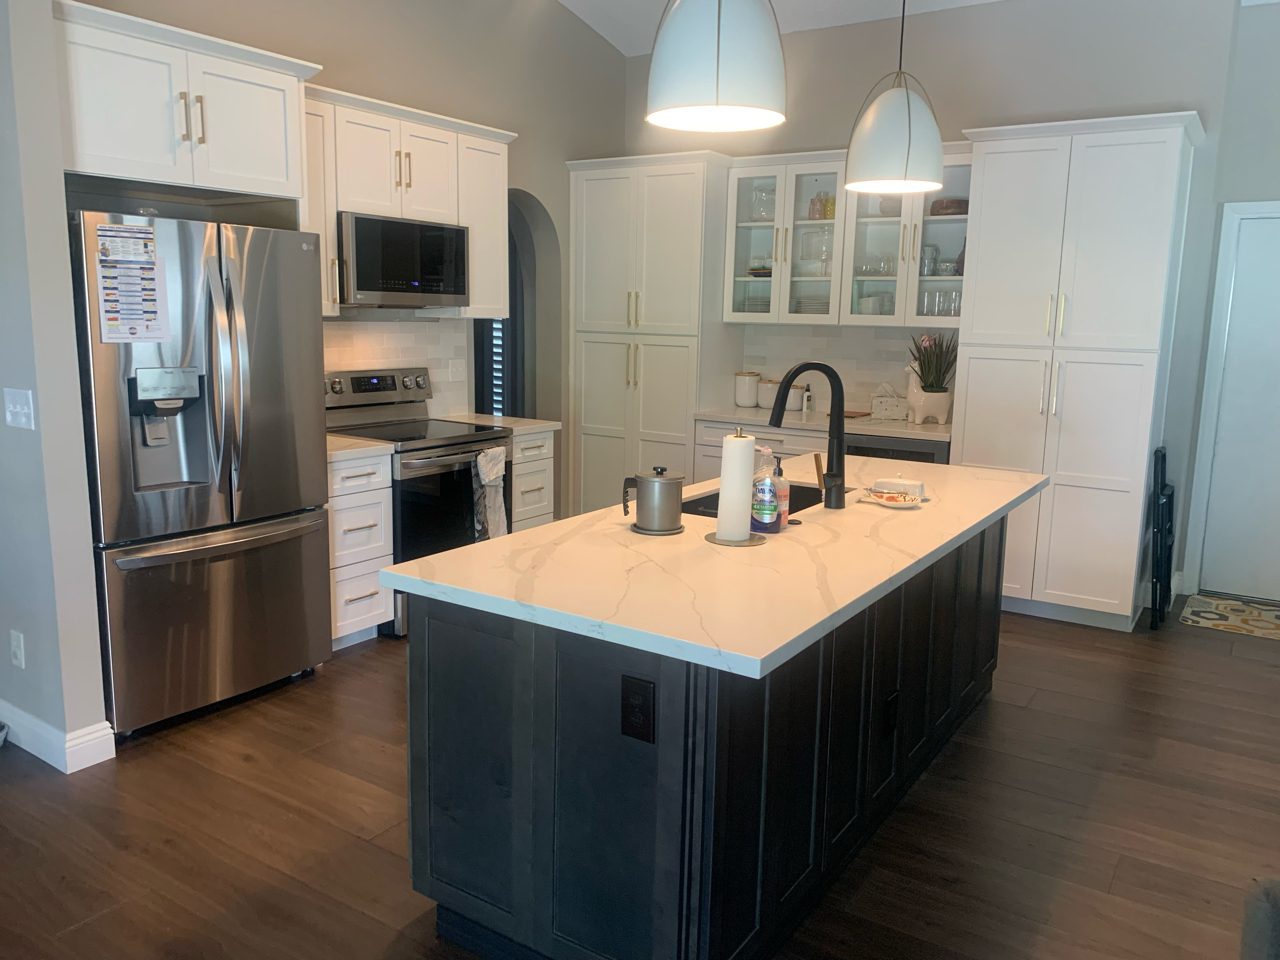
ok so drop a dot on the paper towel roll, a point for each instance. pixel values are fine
(737, 469)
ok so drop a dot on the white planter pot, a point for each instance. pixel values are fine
(926, 406)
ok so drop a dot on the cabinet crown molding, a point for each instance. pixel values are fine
(382, 108)
(72, 12)
(615, 163)
(1189, 120)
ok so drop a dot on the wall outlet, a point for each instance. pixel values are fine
(457, 369)
(17, 650)
(19, 409)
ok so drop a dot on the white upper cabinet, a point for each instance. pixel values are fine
(320, 209)
(430, 173)
(144, 101)
(370, 164)
(604, 254)
(1015, 240)
(482, 209)
(1123, 210)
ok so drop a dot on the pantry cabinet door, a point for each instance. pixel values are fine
(482, 209)
(664, 381)
(247, 127)
(1123, 218)
(602, 370)
(1017, 208)
(320, 204)
(604, 250)
(1090, 532)
(125, 113)
(668, 270)
(430, 158)
(370, 174)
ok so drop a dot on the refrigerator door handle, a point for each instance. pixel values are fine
(221, 543)
(221, 362)
(240, 401)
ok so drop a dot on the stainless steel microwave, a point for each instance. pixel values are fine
(390, 262)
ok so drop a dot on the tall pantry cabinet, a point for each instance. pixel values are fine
(646, 240)
(1075, 244)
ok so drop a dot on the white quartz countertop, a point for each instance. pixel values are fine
(818, 420)
(744, 610)
(518, 425)
(353, 448)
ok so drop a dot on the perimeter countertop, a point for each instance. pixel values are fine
(518, 425)
(354, 448)
(743, 610)
(817, 421)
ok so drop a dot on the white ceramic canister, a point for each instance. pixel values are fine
(795, 397)
(744, 388)
(766, 391)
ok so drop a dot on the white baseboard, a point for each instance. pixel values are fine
(357, 636)
(1060, 611)
(67, 752)
(1176, 584)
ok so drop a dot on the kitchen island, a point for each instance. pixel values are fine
(641, 747)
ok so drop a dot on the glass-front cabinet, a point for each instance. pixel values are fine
(904, 254)
(785, 244)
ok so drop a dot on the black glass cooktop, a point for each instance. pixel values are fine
(423, 434)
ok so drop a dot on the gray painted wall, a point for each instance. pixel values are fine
(46, 563)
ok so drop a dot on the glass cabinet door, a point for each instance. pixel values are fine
(812, 243)
(938, 257)
(756, 202)
(876, 259)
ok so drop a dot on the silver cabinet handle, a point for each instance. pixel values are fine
(363, 596)
(535, 446)
(628, 308)
(363, 526)
(398, 176)
(186, 116)
(408, 170)
(335, 279)
(1053, 388)
(635, 370)
(357, 476)
(1043, 366)
(204, 122)
(1048, 319)
(1062, 309)
(533, 489)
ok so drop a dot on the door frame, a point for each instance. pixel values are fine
(1233, 216)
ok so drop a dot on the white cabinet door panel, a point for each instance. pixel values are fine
(359, 527)
(1119, 235)
(246, 127)
(606, 235)
(1020, 549)
(707, 462)
(367, 145)
(532, 489)
(482, 209)
(1001, 407)
(603, 393)
(358, 600)
(1019, 199)
(664, 375)
(668, 285)
(430, 158)
(124, 116)
(320, 204)
(1091, 515)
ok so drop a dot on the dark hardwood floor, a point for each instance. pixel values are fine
(1111, 799)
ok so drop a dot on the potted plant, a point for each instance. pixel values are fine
(933, 361)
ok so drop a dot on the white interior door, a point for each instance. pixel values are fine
(369, 174)
(1242, 531)
(320, 204)
(1091, 515)
(482, 209)
(603, 290)
(1122, 209)
(668, 281)
(430, 173)
(125, 114)
(663, 381)
(247, 127)
(1017, 208)
(603, 394)
(1000, 421)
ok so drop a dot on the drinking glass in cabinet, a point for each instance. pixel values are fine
(945, 228)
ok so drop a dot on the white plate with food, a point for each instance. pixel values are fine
(893, 499)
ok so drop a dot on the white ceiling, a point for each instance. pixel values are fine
(630, 25)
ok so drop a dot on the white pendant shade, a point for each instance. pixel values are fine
(717, 66)
(896, 147)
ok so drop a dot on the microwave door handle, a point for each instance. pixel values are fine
(220, 364)
(240, 401)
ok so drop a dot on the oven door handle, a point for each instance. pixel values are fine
(427, 465)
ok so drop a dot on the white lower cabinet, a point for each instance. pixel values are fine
(360, 544)
(709, 437)
(636, 400)
(532, 486)
(357, 600)
(532, 522)
(360, 526)
(707, 462)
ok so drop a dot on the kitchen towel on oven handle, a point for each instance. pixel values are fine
(488, 473)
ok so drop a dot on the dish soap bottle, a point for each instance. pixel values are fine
(764, 496)
(783, 487)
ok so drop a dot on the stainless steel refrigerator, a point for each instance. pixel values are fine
(201, 362)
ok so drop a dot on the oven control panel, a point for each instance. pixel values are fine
(352, 388)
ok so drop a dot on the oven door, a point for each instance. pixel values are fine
(435, 503)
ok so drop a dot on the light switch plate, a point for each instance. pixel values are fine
(457, 369)
(19, 409)
(17, 649)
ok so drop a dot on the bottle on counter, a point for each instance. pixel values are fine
(783, 487)
(806, 405)
(764, 496)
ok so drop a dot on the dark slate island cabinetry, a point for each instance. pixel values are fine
(575, 798)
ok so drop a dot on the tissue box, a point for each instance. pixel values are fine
(888, 408)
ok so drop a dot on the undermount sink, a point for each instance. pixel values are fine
(708, 506)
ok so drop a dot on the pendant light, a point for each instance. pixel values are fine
(717, 66)
(895, 147)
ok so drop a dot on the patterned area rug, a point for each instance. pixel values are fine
(1236, 616)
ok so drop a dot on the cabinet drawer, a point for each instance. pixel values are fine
(533, 446)
(355, 476)
(783, 441)
(532, 522)
(532, 487)
(359, 527)
(357, 599)
(707, 461)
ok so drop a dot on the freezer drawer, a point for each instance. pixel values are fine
(192, 621)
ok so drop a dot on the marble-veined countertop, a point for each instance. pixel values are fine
(744, 610)
(354, 448)
(818, 422)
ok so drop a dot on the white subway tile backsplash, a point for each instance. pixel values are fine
(359, 344)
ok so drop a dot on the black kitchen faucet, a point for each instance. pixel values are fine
(833, 478)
